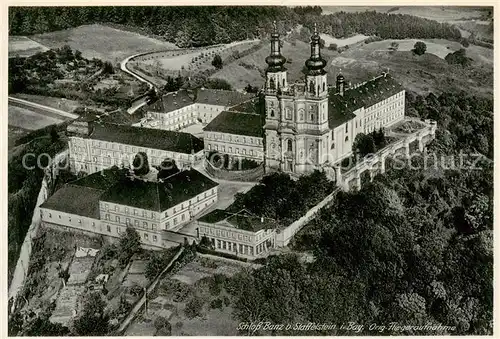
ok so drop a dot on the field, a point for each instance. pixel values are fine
(102, 42)
(361, 61)
(439, 47)
(467, 19)
(342, 42)
(177, 63)
(24, 47)
(251, 68)
(58, 103)
(15, 133)
(178, 289)
(29, 119)
(438, 13)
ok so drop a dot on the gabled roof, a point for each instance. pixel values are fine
(147, 137)
(159, 196)
(341, 108)
(171, 102)
(74, 199)
(101, 180)
(239, 123)
(221, 97)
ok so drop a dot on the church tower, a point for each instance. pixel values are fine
(296, 115)
(313, 129)
(276, 83)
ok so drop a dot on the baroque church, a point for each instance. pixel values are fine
(309, 125)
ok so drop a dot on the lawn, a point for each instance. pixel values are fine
(102, 42)
(24, 47)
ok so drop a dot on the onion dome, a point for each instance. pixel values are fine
(315, 63)
(275, 60)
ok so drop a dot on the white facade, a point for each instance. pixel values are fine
(229, 239)
(249, 147)
(90, 156)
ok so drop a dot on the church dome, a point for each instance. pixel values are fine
(276, 61)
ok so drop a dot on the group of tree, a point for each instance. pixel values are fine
(459, 58)
(419, 48)
(25, 181)
(414, 247)
(465, 122)
(365, 144)
(217, 62)
(251, 89)
(174, 85)
(209, 25)
(275, 193)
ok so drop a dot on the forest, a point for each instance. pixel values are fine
(414, 247)
(208, 25)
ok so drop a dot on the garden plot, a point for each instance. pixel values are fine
(188, 301)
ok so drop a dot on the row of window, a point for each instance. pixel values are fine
(234, 138)
(225, 234)
(230, 150)
(233, 247)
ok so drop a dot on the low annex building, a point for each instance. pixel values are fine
(110, 201)
(94, 146)
(242, 233)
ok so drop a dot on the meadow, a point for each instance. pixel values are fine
(102, 42)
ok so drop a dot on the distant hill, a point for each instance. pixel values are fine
(208, 25)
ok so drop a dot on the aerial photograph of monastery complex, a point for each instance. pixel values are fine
(270, 170)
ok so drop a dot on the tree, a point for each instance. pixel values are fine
(54, 136)
(250, 89)
(363, 144)
(130, 244)
(167, 168)
(216, 83)
(419, 48)
(163, 327)
(333, 47)
(93, 321)
(107, 68)
(140, 165)
(217, 62)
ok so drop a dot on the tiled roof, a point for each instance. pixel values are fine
(172, 101)
(241, 220)
(250, 106)
(78, 200)
(147, 137)
(159, 196)
(101, 180)
(238, 123)
(341, 108)
(221, 97)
